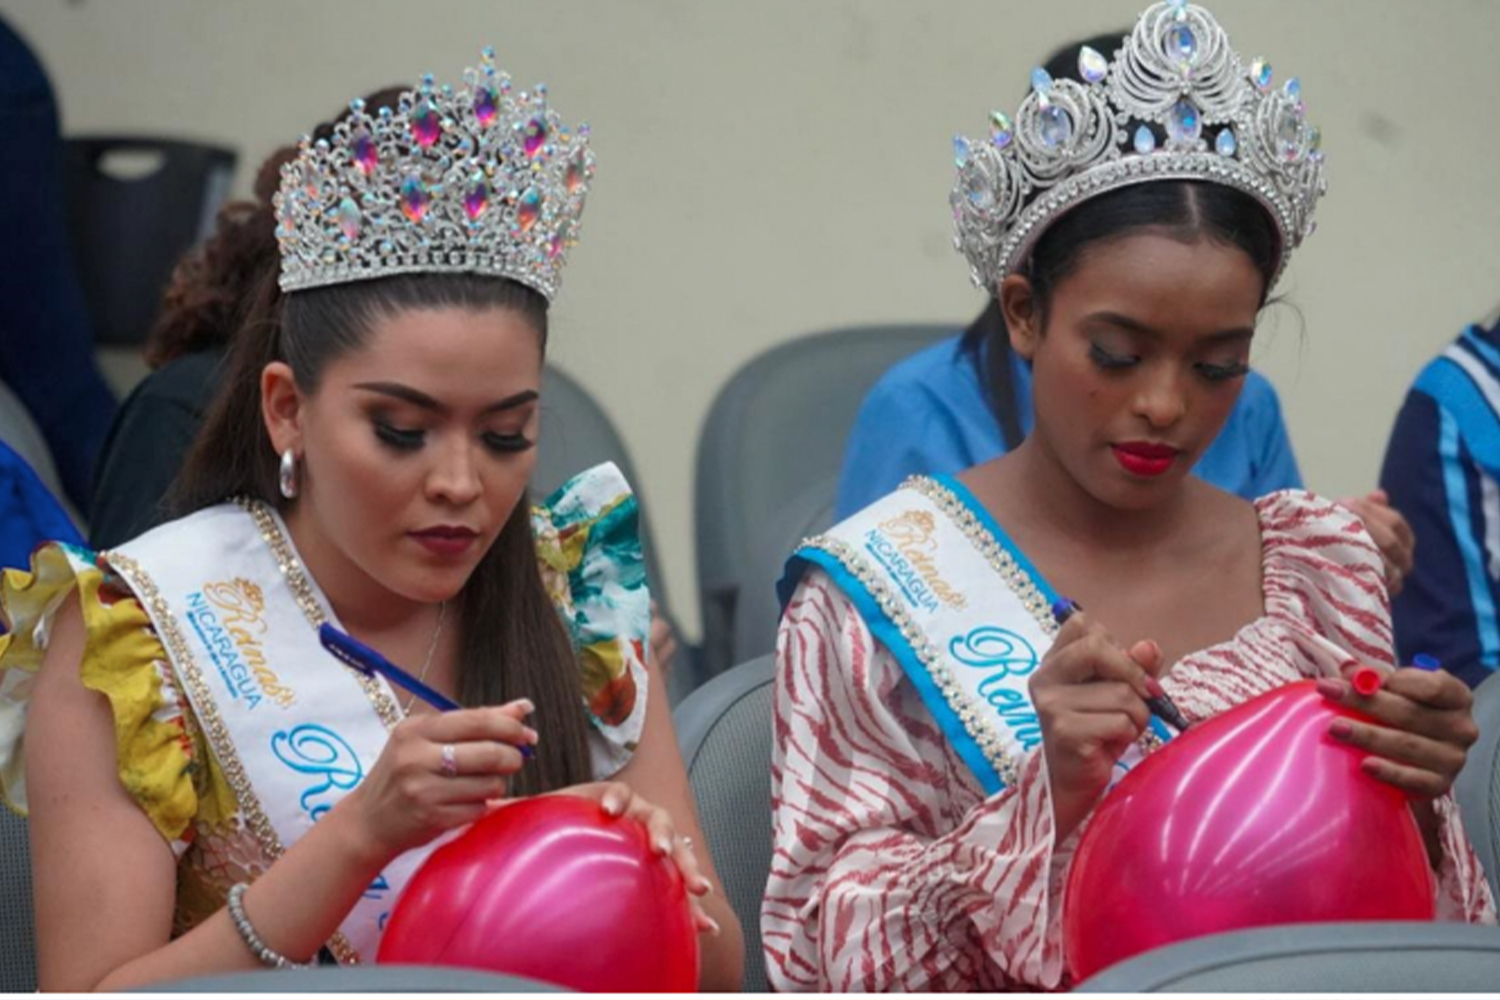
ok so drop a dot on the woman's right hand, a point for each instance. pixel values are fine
(1090, 695)
(409, 797)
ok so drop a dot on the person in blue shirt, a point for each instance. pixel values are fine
(967, 400)
(1441, 468)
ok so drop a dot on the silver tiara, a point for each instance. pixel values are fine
(1178, 82)
(476, 179)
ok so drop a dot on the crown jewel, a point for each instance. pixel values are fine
(475, 179)
(1175, 79)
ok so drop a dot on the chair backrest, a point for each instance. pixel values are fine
(1478, 786)
(779, 424)
(17, 927)
(1384, 957)
(724, 729)
(576, 434)
(758, 609)
(129, 232)
(358, 979)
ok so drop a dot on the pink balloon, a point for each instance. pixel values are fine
(1255, 817)
(554, 889)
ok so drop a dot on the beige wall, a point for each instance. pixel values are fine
(772, 167)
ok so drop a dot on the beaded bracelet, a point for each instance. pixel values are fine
(252, 940)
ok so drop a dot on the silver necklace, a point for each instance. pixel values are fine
(431, 649)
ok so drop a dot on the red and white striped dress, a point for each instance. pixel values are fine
(893, 871)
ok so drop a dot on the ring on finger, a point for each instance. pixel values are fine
(449, 762)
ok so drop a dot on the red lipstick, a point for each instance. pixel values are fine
(1145, 458)
(446, 539)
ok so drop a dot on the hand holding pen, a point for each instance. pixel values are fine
(437, 771)
(370, 663)
(1091, 697)
(1160, 705)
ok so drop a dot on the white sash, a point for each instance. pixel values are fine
(960, 608)
(293, 729)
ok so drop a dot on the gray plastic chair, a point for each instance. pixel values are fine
(17, 923)
(724, 729)
(1387, 957)
(759, 610)
(780, 423)
(358, 979)
(1478, 786)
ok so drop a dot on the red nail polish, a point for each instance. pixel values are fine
(1341, 729)
(1330, 688)
(1154, 686)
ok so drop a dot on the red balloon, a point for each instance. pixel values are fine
(1255, 817)
(555, 889)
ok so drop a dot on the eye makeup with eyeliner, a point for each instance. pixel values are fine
(399, 438)
(1110, 361)
(411, 439)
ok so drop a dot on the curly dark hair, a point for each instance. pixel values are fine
(214, 283)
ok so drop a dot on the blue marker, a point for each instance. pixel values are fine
(368, 662)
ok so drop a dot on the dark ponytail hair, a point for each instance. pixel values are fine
(1186, 210)
(512, 643)
(215, 283)
(212, 285)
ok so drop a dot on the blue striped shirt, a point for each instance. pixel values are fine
(1440, 471)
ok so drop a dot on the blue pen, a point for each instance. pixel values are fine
(1425, 661)
(1161, 706)
(368, 662)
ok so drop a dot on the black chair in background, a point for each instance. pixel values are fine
(129, 232)
(17, 922)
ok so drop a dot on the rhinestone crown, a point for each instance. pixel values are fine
(1176, 79)
(474, 179)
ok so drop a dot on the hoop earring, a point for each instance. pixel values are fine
(288, 474)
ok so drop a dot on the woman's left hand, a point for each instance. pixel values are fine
(618, 799)
(1422, 729)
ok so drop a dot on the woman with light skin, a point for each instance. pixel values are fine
(209, 790)
(947, 717)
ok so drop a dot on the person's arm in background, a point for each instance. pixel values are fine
(1448, 607)
(1274, 464)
